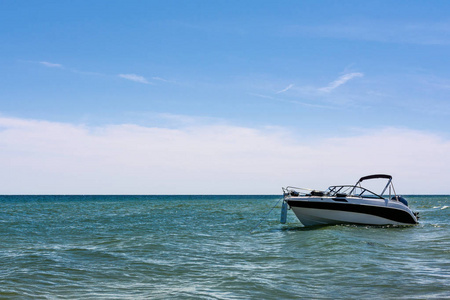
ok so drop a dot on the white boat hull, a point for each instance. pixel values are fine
(314, 217)
(312, 212)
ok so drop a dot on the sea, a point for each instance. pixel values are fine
(213, 247)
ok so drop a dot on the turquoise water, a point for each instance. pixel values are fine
(200, 247)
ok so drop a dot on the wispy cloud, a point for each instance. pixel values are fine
(160, 79)
(262, 96)
(134, 77)
(286, 89)
(290, 101)
(422, 33)
(340, 81)
(50, 65)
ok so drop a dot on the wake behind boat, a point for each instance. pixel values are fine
(349, 204)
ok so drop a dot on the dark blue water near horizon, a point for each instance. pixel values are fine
(202, 247)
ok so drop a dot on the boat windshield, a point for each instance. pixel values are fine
(351, 190)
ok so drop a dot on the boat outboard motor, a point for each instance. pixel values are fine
(401, 199)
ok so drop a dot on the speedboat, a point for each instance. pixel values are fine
(349, 204)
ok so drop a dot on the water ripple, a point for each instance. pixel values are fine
(200, 247)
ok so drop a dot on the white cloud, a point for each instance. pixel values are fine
(262, 96)
(340, 81)
(50, 65)
(285, 89)
(134, 77)
(39, 157)
(161, 79)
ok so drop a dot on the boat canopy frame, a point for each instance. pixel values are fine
(389, 184)
(347, 190)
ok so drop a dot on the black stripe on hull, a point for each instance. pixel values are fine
(389, 213)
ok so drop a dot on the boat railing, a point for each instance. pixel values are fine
(332, 191)
(356, 190)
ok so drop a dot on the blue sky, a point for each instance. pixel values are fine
(225, 97)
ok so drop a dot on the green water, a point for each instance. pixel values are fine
(200, 247)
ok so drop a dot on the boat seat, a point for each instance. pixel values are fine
(317, 193)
